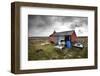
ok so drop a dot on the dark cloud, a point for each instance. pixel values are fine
(39, 22)
(42, 24)
(79, 22)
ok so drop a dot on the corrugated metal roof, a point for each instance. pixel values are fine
(64, 33)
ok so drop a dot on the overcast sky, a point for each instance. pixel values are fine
(43, 25)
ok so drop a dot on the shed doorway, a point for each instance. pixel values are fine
(68, 41)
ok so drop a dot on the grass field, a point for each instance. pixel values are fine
(40, 49)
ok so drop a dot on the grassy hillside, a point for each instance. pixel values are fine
(40, 49)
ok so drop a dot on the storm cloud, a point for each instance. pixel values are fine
(44, 25)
